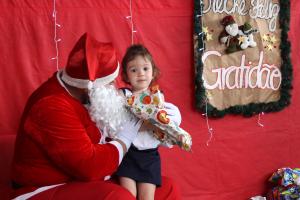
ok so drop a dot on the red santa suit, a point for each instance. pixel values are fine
(57, 142)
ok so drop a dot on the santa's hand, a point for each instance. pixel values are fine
(129, 131)
(173, 112)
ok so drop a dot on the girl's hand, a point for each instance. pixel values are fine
(173, 112)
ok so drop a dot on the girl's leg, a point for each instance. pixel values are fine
(129, 184)
(146, 191)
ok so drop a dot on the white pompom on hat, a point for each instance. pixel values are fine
(91, 63)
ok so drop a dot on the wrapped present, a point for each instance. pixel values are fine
(284, 193)
(286, 177)
(288, 184)
(149, 106)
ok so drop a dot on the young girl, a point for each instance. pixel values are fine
(140, 170)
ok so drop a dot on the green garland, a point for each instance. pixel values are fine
(252, 108)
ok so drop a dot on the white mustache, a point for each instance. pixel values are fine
(107, 109)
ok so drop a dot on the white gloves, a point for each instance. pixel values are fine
(130, 131)
(173, 112)
(131, 128)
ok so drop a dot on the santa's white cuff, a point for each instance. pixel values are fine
(33, 193)
(120, 149)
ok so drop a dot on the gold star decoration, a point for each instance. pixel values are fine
(205, 29)
(269, 41)
(208, 95)
(273, 39)
(269, 47)
(209, 37)
(265, 38)
(241, 39)
(208, 33)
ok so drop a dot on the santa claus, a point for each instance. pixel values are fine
(229, 36)
(60, 152)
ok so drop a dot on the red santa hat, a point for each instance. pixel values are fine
(227, 20)
(91, 63)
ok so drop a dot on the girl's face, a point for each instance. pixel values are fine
(140, 73)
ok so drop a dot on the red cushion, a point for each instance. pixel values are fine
(6, 148)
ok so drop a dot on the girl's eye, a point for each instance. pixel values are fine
(133, 70)
(146, 68)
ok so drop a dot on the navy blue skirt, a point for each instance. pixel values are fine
(143, 166)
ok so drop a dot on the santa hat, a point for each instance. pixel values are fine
(227, 20)
(91, 63)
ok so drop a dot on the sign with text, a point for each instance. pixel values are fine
(242, 61)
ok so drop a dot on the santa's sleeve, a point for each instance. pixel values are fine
(55, 125)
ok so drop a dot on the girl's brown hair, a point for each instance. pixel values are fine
(131, 53)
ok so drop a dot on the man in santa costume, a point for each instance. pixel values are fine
(60, 152)
(229, 36)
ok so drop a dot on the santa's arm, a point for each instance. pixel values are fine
(57, 127)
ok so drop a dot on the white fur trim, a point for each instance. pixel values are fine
(39, 190)
(120, 149)
(78, 83)
(86, 84)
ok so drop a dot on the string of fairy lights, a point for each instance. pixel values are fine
(56, 39)
(201, 34)
(130, 18)
(201, 49)
(259, 119)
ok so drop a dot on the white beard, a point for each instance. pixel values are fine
(107, 109)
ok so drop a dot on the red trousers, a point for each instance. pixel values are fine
(104, 190)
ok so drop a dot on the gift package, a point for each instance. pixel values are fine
(287, 184)
(149, 106)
